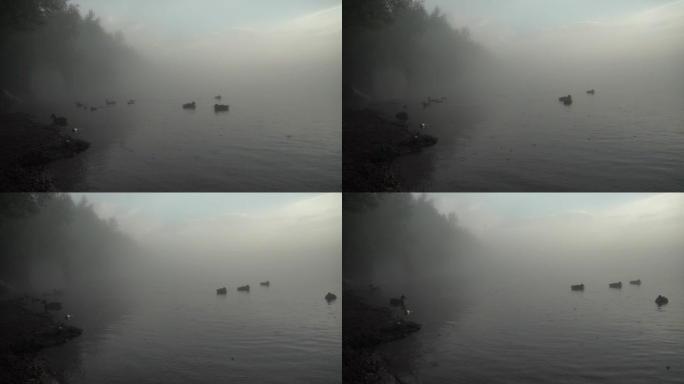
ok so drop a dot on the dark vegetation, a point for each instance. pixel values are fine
(27, 147)
(50, 53)
(392, 241)
(47, 229)
(53, 229)
(398, 236)
(394, 50)
(49, 46)
(399, 44)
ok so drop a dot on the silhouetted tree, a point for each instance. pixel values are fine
(400, 37)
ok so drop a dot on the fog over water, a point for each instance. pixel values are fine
(503, 127)
(277, 65)
(153, 315)
(507, 313)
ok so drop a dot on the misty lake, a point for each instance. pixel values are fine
(166, 324)
(519, 322)
(266, 142)
(623, 138)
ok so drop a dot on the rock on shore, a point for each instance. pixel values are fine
(23, 333)
(26, 147)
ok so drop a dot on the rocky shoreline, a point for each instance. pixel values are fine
(372, 142)
(25, 330)
(27, 147)
(365, 328)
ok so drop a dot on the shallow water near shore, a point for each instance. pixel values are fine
(523, 324)
(170, 326)
(265, 142)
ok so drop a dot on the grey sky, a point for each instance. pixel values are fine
(485, 212)
(575, 26)
(235, 31)
(214, 222)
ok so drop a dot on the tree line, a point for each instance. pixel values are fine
(395, 48)
(50, 43)
(53, 228)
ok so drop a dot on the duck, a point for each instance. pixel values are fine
(74, 130)
(661, 300)
(93, 109)
(635, 282)
(398, 302)
(567, 100)
(131, 102)
(221, 108)
(330, 297)
(222, 291)
(265, 283)
(577, 287)
(617, 285)
(591, 91)
(67, 317)
(61, 121)
(191, 105)
(244, 288)
(110, 102)
(217, 97)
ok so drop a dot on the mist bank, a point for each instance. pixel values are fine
(48, 240)
(397, 240)
(399, 50)
(53, 51)
(59, 53)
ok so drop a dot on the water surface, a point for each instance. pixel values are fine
(623, 138)
(167, 325)
(521, 323)
(265, 143)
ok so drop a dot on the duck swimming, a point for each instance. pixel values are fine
(330, 297)
(190, 105)
(221, 108)
(244, 288)
(222, 291)
(661, 300)
(635, 282)
(567, 100)
(577, 287)
(265, 283)
(617, 285)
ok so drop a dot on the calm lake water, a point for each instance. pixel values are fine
(521, 323)
(265, 142)
(167, 325)
(623, 138)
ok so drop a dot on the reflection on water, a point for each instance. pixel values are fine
(519, 140)
(171, 327)
(263, 143)
(517, 326)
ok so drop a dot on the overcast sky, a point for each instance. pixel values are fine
(226, 31)
(572, 221)
(223, 222)
(586, 26)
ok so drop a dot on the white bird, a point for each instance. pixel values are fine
(74, 130)
(423, 126)
(67, 317)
